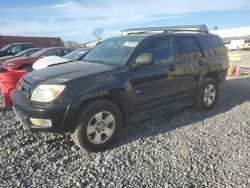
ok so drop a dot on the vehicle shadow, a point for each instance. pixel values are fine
(232, 92)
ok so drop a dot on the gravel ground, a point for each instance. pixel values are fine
(187, 149)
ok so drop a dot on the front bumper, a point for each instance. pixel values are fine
(63, 116)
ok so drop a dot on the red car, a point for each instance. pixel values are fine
(25, 63)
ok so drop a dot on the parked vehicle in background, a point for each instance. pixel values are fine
(235, 44)
(246, 45)
(123, 79)
(25, 63)
(14, 48)
(75, 55)
(25, 53)
(44, 42)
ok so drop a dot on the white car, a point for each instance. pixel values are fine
(54, 60)
(235, 44)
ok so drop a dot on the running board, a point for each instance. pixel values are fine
(142, 115)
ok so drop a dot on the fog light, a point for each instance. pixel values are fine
(41, 122)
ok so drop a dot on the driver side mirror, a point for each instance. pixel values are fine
(144, 59)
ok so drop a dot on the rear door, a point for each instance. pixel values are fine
(156, 84)
(191, 62)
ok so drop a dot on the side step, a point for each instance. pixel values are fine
(142, 115)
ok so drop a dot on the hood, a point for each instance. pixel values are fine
(49, 60)
(66, 72)
(18, 60)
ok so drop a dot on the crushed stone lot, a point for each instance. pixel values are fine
(187, 149)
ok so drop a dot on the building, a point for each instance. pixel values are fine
(35, 41)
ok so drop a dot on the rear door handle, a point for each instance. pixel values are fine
(172, 67)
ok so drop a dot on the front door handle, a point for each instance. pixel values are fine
(172, 67)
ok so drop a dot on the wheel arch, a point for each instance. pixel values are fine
(215, 75)
(117, 96)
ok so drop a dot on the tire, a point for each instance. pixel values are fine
(202, 100)
(26, 67)
(92, 133)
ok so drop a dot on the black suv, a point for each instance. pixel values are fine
(124, 79)
(14, 48)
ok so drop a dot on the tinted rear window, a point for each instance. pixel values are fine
(208, 42)
(187, 47)
(211, 45)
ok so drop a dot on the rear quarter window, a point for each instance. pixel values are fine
(212, 45)
(187, 48)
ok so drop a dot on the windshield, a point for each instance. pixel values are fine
(75, 54)
(39, 53)
(21, 53)
(5, 47)
(114, 50)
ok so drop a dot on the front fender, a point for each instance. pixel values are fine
(102, 89)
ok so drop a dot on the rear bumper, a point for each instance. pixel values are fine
(63, 116)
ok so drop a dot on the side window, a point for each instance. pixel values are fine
(66, 51)
(54, 52)
(15, 49)
(30, 52)
(212, 45)
(187, 48)
(161, 48)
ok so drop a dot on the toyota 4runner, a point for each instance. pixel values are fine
(143, 73)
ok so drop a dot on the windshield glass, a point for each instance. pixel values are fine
(39, 53)
(75, 54)
(5, 47)
(114, 50)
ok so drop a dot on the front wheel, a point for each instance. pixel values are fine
(98, 126)
(207, 95)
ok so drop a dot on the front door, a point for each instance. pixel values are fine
(155, 84)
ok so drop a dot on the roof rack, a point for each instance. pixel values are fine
(186, 28)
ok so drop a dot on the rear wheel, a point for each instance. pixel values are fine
(98, 126)
(207, 95)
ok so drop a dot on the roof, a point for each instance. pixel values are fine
(169, 29)
(149, 35)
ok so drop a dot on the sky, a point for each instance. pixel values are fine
(74, 20)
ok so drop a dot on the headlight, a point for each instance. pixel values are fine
(46, 93)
